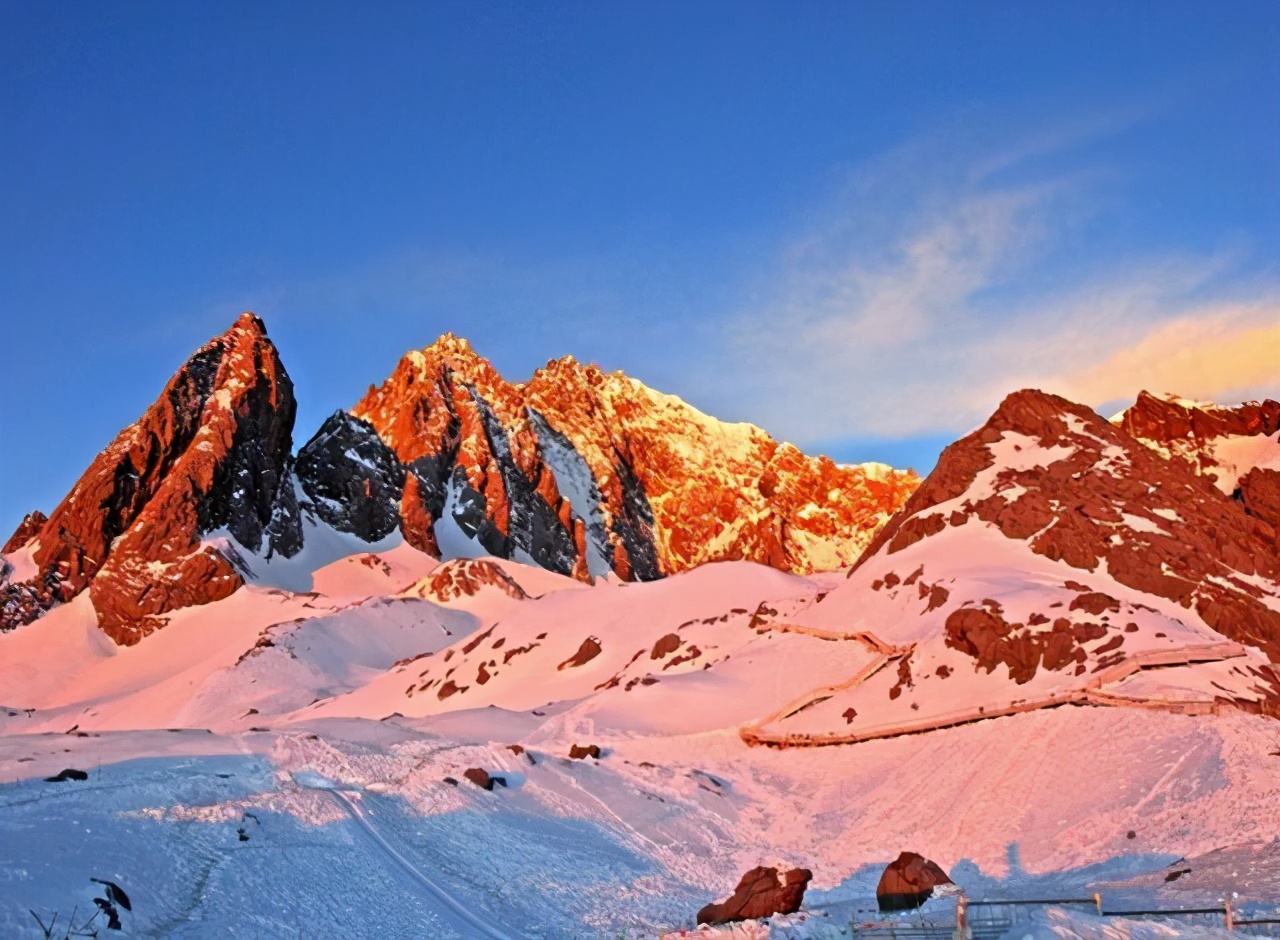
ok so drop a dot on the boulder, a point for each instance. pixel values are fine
(908, 882)
(69, 774)
(479, 777)
(581, 752)
(762, 892)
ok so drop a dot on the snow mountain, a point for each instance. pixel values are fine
(687, 650)
(577, 471)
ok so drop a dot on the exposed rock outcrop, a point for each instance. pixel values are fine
(1080, 490)
(762, 892)
(1219, 442)
(352, 481)
(466, 577)
(908, 881)
(209, 456)
(27, 529)
(587, 473)
(1258, 492)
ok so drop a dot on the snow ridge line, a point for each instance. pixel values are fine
(470, 919)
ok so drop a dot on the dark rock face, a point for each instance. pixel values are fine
(634, 526)
(760, 893)
(533, 526)
(352, 480)
(209, 455)
(30, 526)
(283, 534)
(908, 882)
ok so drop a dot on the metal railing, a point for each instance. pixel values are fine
(988, 919)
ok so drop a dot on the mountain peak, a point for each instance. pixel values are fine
(1077, 489)
(450, 344)
(249, 322)
(208, 455)
(588, 473)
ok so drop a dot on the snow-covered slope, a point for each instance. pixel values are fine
(1050, 559)
(1053, 672)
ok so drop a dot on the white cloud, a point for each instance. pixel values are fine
(930, 294)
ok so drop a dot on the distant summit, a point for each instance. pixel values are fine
(587, 473)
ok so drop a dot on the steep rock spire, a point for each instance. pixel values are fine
(209, 455)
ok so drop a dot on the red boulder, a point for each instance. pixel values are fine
(762, 892)
(908, 882)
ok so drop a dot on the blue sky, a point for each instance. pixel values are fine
(855, 224)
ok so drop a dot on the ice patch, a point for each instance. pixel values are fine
(576, 484)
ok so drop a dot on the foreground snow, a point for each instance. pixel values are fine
(350, 823)
(305, 790)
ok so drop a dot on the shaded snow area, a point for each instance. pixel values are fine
(349, 827)
(291, 762)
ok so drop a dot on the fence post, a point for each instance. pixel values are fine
(962, 918)
(1228, 914)
(1097, 900)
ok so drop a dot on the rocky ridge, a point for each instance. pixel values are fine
(209, 455)
(1080, 490)
(586, 473)
(579, 472)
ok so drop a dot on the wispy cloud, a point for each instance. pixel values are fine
(1223, 353)
(934, 289)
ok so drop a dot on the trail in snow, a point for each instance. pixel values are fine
(464, 921)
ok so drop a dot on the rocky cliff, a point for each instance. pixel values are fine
(209, 455)
(585, 473)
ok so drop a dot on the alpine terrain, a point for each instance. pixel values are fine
(568, 658)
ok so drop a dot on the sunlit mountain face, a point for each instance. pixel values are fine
(566, 655)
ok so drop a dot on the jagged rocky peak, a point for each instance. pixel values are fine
(1078, 489)
(475, 478)
(351, 480)
(1222, 442)
(28, 528)
(209, 456)
(586, 473)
